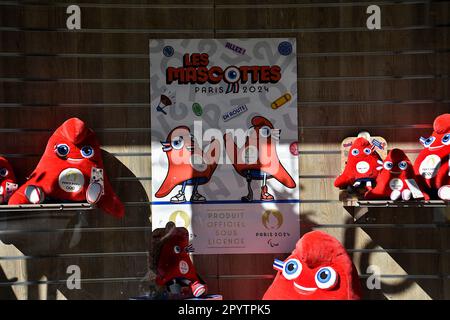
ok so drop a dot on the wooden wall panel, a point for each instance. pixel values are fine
(391, 82)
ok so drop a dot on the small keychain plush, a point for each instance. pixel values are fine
(8, 183)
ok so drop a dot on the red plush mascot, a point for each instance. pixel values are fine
(171, 261)
(432, 163)
(71, 169)
(397, 180)
(318, 269)
(7, 181)
(361, 165)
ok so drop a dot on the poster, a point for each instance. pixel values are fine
(224, 142)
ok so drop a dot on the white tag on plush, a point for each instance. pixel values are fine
(414, 188)
(10, 189)
(97, 176)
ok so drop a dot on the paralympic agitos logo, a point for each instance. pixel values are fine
(195, 70)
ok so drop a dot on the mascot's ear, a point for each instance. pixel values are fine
(422, 140)
(170, 226)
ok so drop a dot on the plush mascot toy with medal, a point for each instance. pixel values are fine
(397, 180)
(432, 163)
(71, 169)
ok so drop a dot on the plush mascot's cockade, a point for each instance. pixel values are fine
(7, 181)
(71, 169)
(319, 268)
(397, 180)
(361, 167)
(432, 163)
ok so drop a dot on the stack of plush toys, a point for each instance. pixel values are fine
(71, 169)
(396, 178)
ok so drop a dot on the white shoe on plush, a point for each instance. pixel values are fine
(395, 195)
(406, 194)
(93, 192)
(34, 194)
(444, 192)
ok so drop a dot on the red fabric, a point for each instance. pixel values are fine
(175, 262)
(361, 166)
(9, 177)
(315, 250)
(267, 161)
(440, 175)
(76, 135)
(389, 179)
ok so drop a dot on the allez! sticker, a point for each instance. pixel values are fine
(235, 48)
(71, 180)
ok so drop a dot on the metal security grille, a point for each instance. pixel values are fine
(392, 82)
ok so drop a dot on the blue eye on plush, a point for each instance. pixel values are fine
(355, 152)
(292, 269)
(388, 165)
(427, 141)
(367, 151)
(326, 278)
(3, 172)
(87, 151)
(446, 139)
(62, 150)
(403, 165)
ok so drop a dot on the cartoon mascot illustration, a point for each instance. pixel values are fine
(319, 268)
(71, 169)
(188, 165)
(257, 159)
(432, 163)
